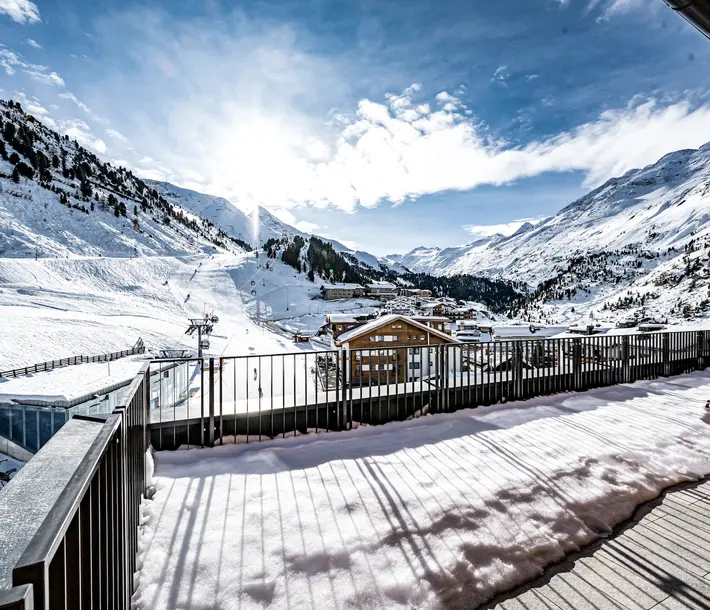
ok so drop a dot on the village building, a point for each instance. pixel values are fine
(401, 306)
(414, 292)
(381, 290)
(331, 292)
(433, 308)
(394, 349)
(461, 313)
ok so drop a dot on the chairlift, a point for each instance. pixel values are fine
(204, 344)
(214, 319)
(253, 283)
(253, 292)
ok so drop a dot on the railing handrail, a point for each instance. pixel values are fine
(48, 538)
(114, 459)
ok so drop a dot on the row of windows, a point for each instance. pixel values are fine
(376, 367)
(395, 338)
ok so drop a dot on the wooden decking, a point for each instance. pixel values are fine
(659, 560)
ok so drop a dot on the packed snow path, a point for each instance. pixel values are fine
(440, 512)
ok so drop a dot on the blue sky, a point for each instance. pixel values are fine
(382, 124)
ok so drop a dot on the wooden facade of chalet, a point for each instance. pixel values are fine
(462, 313)
(394, 360)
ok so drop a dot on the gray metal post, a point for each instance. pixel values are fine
(625, 359)
(344, 374)
(666, 355)
(577, 363)
(701, 349)
(518, 371)
(210, 431)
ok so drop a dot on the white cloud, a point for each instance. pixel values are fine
(77, 130)
(43, 75)
(31, 105)
(501, 74)
(116, 135)
(8, 61)
(390, 153)
(276, 132)
(34, 43)
(34, 107)
(22, 11)
(289, 218)
(506, 229)
(72, 98)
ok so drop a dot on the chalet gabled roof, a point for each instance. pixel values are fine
(388, 319)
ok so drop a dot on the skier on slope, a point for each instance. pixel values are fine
(255, 374)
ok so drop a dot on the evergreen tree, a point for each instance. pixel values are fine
(86, 189)
(9, 131)
(25, 170)
(15, 174)
(14, 158)
(55, 161)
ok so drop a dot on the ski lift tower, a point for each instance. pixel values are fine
(202, 326)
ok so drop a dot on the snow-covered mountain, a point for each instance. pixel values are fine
(254, 228)
(58, 199)
(619, 242)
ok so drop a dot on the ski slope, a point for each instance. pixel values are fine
(58, 307)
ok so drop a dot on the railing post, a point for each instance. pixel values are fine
(666, 353)
(626, 376)
(577, 363)
(210, 431)
(701, 349)
(344, 374)
(517, 370)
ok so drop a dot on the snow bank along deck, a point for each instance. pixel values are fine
(661, 560)
(239, 399)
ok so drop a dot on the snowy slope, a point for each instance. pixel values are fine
(254, 228)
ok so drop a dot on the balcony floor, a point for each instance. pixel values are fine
(660, 560)
(444, 511)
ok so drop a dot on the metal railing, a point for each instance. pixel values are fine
(70, 517)
(200, 402)
(138, 348)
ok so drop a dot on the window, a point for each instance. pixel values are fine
(384, 338)
(422, 338)
(375, 367)
(396, 326)
(415, 365)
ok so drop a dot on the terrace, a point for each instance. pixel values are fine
(446, 505)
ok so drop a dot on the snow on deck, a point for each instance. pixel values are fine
(439, 512)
